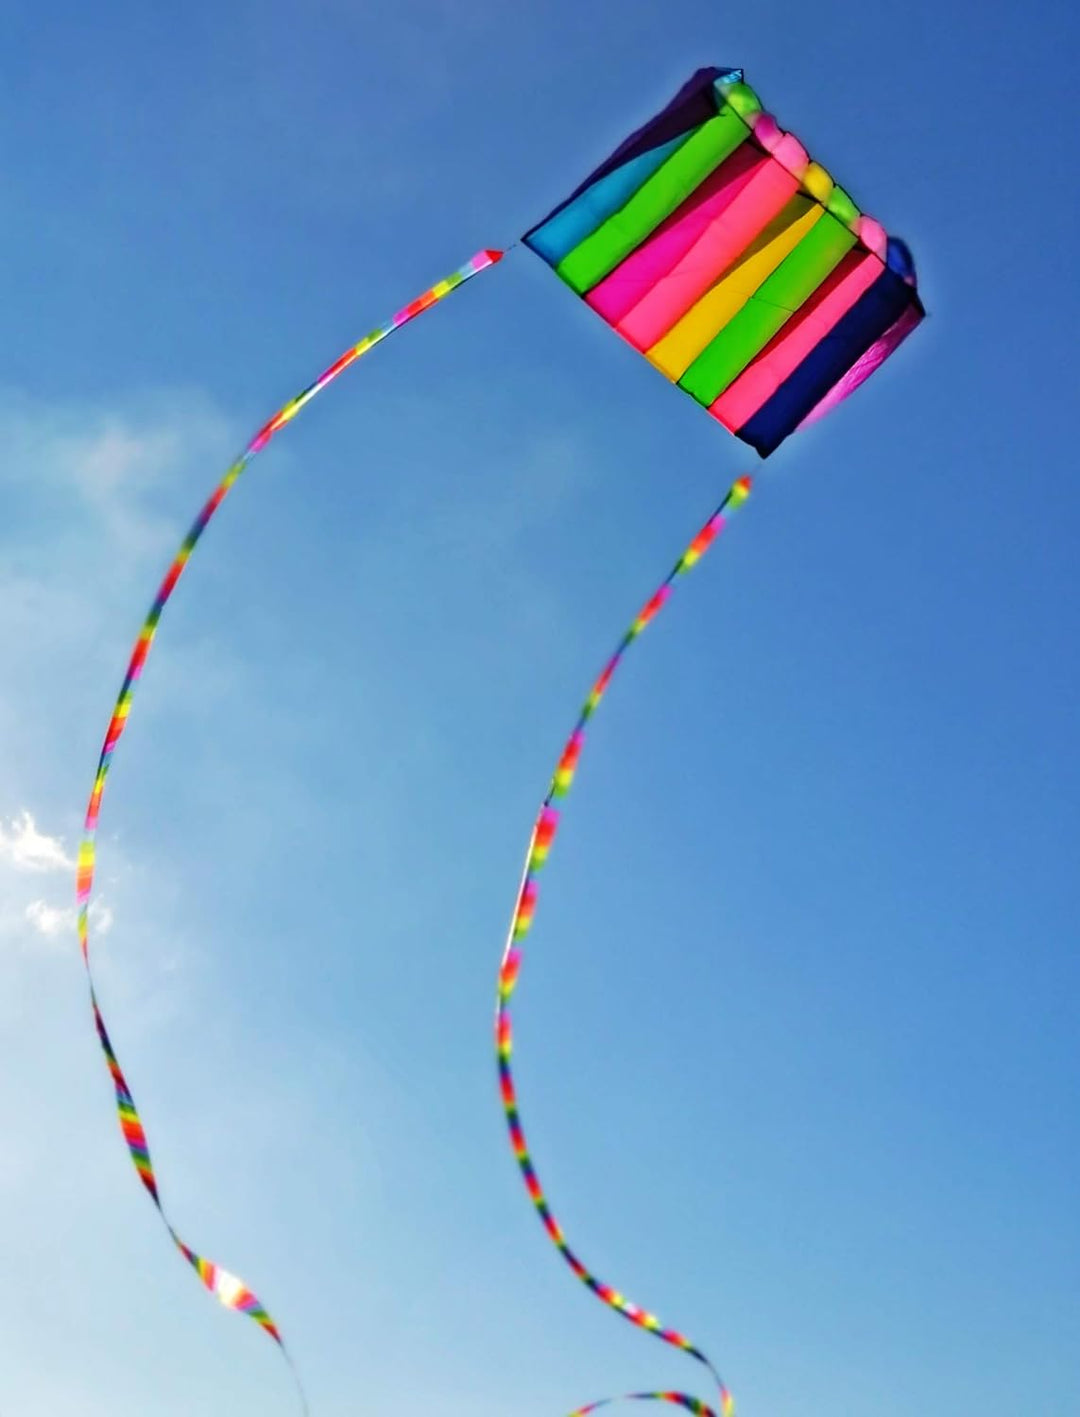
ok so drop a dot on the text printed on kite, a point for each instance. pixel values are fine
(540, 843)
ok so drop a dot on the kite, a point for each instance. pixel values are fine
(713, 244)
(735, 264)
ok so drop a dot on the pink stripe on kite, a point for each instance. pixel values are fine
(865, 365)
(787, 349)
(618, 293)
(719, 246)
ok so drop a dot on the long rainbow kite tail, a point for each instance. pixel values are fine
(230, 1291)
(676, 1399)
(540, 843)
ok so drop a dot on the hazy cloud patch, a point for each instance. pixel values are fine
(27, 849)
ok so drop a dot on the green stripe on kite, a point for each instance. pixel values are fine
(778, 297)
(655, 199)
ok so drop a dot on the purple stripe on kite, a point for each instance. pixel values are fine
(863, 367)
(618, 293)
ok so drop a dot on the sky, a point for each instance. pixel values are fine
(796, 1031)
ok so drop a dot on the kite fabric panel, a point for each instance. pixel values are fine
(736, 265)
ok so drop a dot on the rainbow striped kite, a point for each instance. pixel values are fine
(713, 244)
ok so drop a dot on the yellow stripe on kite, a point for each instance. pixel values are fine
(682, 344)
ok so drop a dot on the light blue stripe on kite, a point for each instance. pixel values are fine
(568, 228)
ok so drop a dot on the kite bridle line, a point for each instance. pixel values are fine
(226, 1288)
(540, 842)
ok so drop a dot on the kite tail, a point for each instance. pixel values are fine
(226, 1287)
(677, 1399)
(543, 834)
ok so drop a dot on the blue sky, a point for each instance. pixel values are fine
(797, 1026)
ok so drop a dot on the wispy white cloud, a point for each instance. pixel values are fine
(27, 849)
(94, 496)
(49, 919)
(101, 472)
(56, 920)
